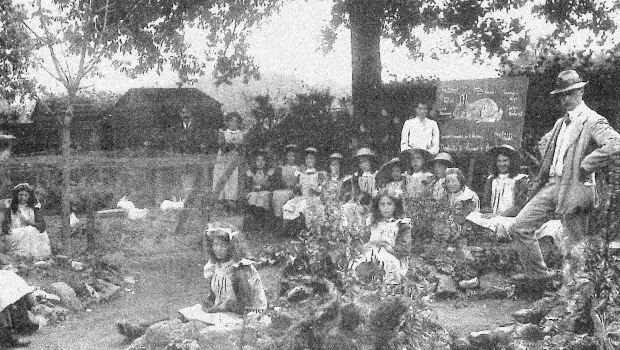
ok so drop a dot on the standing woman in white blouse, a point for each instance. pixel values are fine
(231, 142)
(420, 132)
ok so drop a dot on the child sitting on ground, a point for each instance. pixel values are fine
(234, 283)
(459, 195)
(390, 239)
(391, 178)
(417, 178)
(258, 184)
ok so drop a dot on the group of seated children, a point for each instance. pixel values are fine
(294, 193)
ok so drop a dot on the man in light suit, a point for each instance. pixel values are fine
(580, 143)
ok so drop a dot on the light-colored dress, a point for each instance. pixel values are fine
(417, 183)
(259, 194)
(501, 199)
(283, 195)
(231, 189)
(309, 181)
(363, 185)
(25, 240)
(393, 233)
(465, 199)
(439, 189)
(224, 282)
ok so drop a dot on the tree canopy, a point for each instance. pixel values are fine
(488, 28)
(14, 51)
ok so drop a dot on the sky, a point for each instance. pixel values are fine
(286, 47)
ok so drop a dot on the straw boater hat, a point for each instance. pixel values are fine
(290, 147)
(336, 156)
(504, 149)
(405, 156)
(364, 152)
(311, 150)
(385, 172)
(444, 157)
(568, 80)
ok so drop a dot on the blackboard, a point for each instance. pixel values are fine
(476, 115)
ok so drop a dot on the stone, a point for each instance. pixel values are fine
(77, 266)
(298, 294)
(528, 331)
(492, 281)
(42, 295)
(529, 315)
(461, 344)
(42, 264)
(128, 280)
(46, 313)
(66, 294)
(174, 334)
(92, 292)
(469, 284)
(446, 287)
(106, 289)
(482, 339)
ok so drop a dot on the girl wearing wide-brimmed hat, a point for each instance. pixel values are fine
(390, 176)
(441, 162)
(363, 187)
(309, 180)
(285, 179)
(334, 188)
(417, 177)
(505, 191)
(258, 184)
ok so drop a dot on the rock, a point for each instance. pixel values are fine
(492, 281)
(174, 334)
(46, 313)
(461, 344)
(482, 339)
(298, 294)
(66, 294)
(502, 336)
(42, 264)
(446, 288)
(529, 315)
(106, 289)
(62, 259)
(92, 292)
(42, 295)
(469, 284)
(128, 280)
(77, 266)
(528, 331)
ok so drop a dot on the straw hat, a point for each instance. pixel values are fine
(311, 150)
(444, 157)
(385, 172)
(364, 152)
(336, 155)
(503, 149)
(568, 80)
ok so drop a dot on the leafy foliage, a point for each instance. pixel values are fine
(15, 51)
(482, 26)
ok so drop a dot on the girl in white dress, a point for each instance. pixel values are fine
(24, 226)
(285, 180)
(364, 187)
(459, 195)
(417, 177)
(390, 239)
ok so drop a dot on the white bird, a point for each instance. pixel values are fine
(125, 204)
(133, 213)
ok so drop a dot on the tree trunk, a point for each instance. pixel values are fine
(366, 27)
(65, 147)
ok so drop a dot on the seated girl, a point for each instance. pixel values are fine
(285, 180)
(458, 194)
(390, 177)
(417, 177)
(505, 192)
(258, 184)
(308, 188)
(234, 284)
(363, 187)
(390, 239)
(24, 226)
(441, 162)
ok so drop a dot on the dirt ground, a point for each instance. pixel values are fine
(169, 277)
